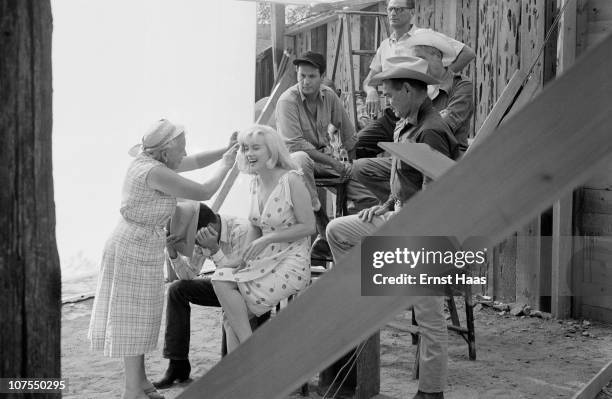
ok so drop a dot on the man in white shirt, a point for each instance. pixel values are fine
(196, 234)
(400, 14)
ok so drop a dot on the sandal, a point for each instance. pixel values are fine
(152, 393)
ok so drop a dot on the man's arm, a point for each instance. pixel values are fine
(465, 56)
(183, 267)
(460, 106)
(372, 100)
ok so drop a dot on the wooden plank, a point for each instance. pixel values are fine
(568, 140)
(533, 30)
(424, 12)
(528, 92)
(597, 201)
(582, 22)
(592, 388)
(508, 43)
(334, 30)
(503, 103)
(349, 66)
(466, 32)
(528, 248)
(486, 53)
(422, 157)
(277, 33)
(562, 243)
(284, 83)
(445, 19)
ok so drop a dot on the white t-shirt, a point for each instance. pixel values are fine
(392, 47)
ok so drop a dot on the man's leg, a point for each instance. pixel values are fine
(178, 313)
(374, 174)
(378, 130)
(346, 232)
(178, 318)
(433, 361)
(307, 165)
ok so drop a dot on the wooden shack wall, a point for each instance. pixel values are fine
(593, 208)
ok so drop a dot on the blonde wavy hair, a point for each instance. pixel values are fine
(279, 154)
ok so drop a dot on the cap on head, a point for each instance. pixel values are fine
(315, 59)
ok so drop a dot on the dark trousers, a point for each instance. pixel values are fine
(181, 294)
(374, 173)
(380, 129)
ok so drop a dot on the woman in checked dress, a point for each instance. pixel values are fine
(127, 309)
(276, 263)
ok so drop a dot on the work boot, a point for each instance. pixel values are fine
(178, 370)
(429, 395)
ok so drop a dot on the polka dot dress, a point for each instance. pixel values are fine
(281, 269)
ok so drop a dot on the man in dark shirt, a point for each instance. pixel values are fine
(453, 98)
(405, 85)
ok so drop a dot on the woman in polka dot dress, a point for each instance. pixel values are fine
(276, 263)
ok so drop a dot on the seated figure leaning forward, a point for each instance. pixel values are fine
(196, 234)
(405, 84)
(276, 263)
(304, 113)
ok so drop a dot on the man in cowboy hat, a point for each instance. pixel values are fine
(400, 14)
(196, 234)
(453, 98)
(405, 85)
(304, 113)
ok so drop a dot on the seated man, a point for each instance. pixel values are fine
(453, 98)
(405, 84)
(401, 14)
(196, 234)
(304, 113)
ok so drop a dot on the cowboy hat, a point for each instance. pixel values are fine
(183, 224)
(405, 68)
(428, 37)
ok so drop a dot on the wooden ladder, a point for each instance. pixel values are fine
(344, 39)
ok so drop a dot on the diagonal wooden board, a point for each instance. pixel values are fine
(432, 163)
(548, 148)
(283, 84)
(422, 157)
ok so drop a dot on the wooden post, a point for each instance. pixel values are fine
(528, 245)
(563, 209)
(278, 35)
(29, 263)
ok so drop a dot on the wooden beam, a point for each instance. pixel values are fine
(500, 109)
(285, 82)
(278, 35)
(420, 156)
(503, 185)
(562, 242)
(592, 388)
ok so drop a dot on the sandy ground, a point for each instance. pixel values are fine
(517, 357)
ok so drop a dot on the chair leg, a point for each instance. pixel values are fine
(469, 316)
(452, 308)
(417, 358)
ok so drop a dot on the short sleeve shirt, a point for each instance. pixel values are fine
(393, 47)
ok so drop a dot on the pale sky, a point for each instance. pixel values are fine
(120, 65)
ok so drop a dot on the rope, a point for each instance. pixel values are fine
(352, 361)
(546, 39)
